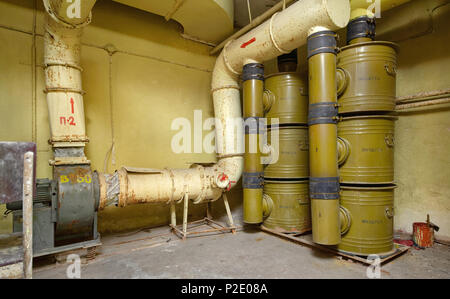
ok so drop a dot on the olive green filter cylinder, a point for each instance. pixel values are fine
(367, 77)
(291, 152)
(286, 98)
(371, 212)
(253, 176)
(290, 210)
(366, 149)
(324, 181)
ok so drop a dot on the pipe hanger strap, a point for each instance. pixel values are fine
(253, 180)
(225, 58)
(322, 113)
(254, 125)
(361, 27)
(253, 71)
(322, 42)
(272, 36)
(324, 188)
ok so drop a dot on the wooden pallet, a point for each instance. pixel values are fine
(306, 240)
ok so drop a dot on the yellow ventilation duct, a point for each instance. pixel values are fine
(205, 20)
(285, 31)
(62, 55)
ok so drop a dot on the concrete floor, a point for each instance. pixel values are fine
(247, 254)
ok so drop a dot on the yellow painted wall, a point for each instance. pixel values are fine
(422, 152)
(132, 96)
(15, 80)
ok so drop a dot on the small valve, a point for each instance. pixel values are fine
(222, 181)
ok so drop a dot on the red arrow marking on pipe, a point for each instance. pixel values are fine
(248, 43)
(71, 103)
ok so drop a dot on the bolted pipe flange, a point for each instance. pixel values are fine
(322, 42)
(253, 71)
(362, 27)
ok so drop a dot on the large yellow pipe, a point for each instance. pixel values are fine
(253, 176)
(361, 8)
(323, 164)
(284, 32)
(62, 59)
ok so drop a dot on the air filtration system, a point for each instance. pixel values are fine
(333, 172)
(352, 195)
(366, 88)
(286, 180)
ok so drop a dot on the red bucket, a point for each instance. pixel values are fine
(423, 234)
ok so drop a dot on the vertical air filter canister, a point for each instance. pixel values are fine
(371, 211)
(366, 74)
(290, 206)
(292, 152)
(366, 149)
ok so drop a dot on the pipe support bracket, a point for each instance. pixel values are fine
(324, 188)
(322, 42)
(322, 113)
(253, 180)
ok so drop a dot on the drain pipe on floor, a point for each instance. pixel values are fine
(282, 33)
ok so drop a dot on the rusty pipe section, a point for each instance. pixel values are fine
(282, 33)
(137, 185)
(62, 55)
(255, 22)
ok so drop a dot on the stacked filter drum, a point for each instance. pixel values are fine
(366, 88)
(286, 189)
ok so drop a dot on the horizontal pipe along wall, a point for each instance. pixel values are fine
(284, 32)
